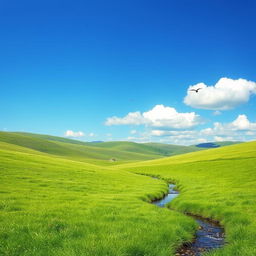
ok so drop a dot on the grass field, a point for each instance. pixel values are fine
(55, 203)
(217, 183)
(53, 206)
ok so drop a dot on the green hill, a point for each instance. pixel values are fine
(71, 149)
(148, 148)
(227, 143)
(122, 151)
(170, 150)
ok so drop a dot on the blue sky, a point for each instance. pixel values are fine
(74, 65)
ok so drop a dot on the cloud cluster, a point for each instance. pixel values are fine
(225, 94)
(159, 116)
(240, 124)
(166, 124)
(239, 129)
(70, 133)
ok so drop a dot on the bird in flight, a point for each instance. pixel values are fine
(196, 90)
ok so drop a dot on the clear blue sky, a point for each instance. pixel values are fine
(71, 65)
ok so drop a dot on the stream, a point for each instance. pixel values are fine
(209, 236)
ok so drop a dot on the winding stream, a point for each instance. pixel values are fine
(210, 234)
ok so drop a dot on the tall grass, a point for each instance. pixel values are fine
(51, 206)
(220, 184)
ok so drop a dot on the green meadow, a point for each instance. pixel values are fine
(219, 184)
(64, 197)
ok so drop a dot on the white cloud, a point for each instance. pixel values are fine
(91, 134)
(160, 116)
(225, 94)
(218, 139)
(70, 133)
(241, 123)
(160, 133)
(132, 118)
(200, 140)
(216, 113)
(133, 132)
(238, 130)
(251, 133)
(142, 139)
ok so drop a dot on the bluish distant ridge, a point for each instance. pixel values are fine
(207, 145)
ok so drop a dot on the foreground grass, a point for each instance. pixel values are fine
(50, 205)
(53, 206)
(217, 183)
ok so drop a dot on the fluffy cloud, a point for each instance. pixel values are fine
(241, 123)
(160, 116)
(132, 118)
(133, 132)
(240, 129)
(183, 134)
(218, 139)
(70, 133)
(225, 94)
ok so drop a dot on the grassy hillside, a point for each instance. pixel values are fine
(93, 152)
(80, 151)
(53, 206)
(147, 148)
(170, 150)
(144, 148)
(227, 143)
(217, 183)
(52, 138)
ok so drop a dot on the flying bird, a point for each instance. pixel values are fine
(196, 90)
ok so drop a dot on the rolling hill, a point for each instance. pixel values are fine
(122, 151)
(71, 149)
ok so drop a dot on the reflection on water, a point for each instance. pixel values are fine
(168, 198)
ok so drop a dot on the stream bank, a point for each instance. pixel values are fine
(209, 236)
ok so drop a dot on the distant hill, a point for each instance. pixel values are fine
(207, 145)
(122, 151)
(216, 144)
(147, 148)
(170, 150)
(227, 143)
(70, 149)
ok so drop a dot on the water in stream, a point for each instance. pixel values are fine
(210, 234)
